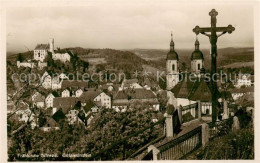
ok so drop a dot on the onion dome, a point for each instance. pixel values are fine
(172, 55)
(197, 54)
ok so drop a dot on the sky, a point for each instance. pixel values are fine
(120, 25)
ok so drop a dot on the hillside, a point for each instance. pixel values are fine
(225, 56)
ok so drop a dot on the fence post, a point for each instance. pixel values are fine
(155, 151)
(169, 127)
(204, 134)
(199, 109)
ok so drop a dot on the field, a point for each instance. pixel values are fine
(94, 61)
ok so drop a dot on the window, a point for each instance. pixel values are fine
(39, 55)
(198, 66)
(173, 67)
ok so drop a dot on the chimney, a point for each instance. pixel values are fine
(169, 126)
(51, 43)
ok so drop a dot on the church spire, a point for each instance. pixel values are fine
(197, 43)
(171, 44)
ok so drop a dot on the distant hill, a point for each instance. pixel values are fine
(226, 56)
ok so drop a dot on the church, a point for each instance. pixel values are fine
(184, 91)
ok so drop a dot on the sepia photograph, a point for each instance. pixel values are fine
(129, 80)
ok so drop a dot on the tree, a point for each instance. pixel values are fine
(20, 57)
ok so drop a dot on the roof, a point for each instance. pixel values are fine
(242, 90)
(66, 103)
(138, 93)
(51, 122)
(172, 55)
(89, 95)
(197, 54)
(77, 84)
(58, 115)
(39, 98)
(202, 93)
(42, 47)
(128, 102)
(183, 88)
(193, 89)
(128, 82)
(89, 104)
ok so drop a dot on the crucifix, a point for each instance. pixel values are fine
(213, 37)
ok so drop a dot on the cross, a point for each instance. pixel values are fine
(213, 37)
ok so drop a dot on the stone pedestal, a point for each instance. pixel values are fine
(226, 110)
(235, 125)
(169, 127)
(205, 134)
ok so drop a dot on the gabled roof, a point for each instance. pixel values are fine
(202, 93)
(195, 89)
(42, 47)
(74, 84)
(138, 93)
(183, 88)
(65, 103)
(89, 104)
(52, 123)
(89, 95)
(58, 115)
(39, 98)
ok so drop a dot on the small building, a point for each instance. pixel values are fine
(243, 80)
(78, 92)
(41, 51)
(51, 124)
(63, 57)
(124, 98)
(38, 100)
(130, 83)
(46, 80)
(65, 93)
(96, 96)
(49, 99)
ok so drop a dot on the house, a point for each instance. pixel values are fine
(50, 124)
(124, 98)
(63, 57)
(130, 83)
(41, 65)
(25, 64)
(49, 99)
(239, 92)
(56, 83)
(74, 85)
(97, 97)
(63, 76)
(46, 80)
(65, 93)
(243, 80)
(41, 51)
(38, 99)
(78, 92)
(24, 114)
(64, 103)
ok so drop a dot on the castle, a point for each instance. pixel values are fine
(184, 91)
(41, 52)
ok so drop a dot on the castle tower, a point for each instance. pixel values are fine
(51, 43)
(172, 70)
(197, 59)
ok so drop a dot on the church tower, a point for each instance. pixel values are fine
(197, 59)
(172, 70)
